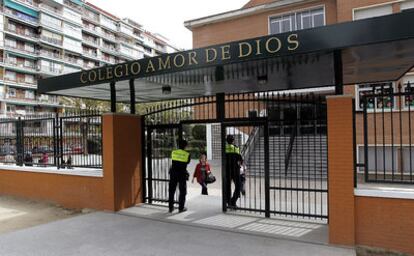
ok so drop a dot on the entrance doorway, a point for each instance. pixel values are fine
(282, 140)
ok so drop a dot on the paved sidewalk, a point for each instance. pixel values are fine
(114, 234)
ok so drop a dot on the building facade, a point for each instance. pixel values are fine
(43, 38)
(264, 17)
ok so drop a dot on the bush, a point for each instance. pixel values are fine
(199, 132)
(194, 152)
(200, 144)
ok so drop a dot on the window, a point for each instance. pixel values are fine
(12, 92)
(10, 75)
(72, 30)
(11, 43)
(29, 48)
(50, 21)
(108, 23)
(407, 5)
(297, 21)
(385, 102)
(371, 12)
(29, 94)
(29, 109)
(408, 89)
(11, 108)
(29, 79)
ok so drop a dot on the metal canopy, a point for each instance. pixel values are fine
(371, 50)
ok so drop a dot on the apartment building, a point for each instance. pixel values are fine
(43, 38)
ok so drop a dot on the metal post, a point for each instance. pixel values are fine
(143, 159)
(149, 166)
(220, 116)
(19, 142)
(364, 100)
(113, 97)
(339, 77)
(132, 95)
(267, 170)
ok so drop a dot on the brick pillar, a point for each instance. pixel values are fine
(341, 170)
(122, 145)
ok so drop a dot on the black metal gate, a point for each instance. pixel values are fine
(282, 139)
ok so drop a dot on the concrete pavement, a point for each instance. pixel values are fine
(114, 234)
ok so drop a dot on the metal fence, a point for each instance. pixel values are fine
(384, 149)
(60, 140)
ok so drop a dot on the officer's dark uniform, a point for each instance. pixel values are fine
(178, 175)
(233, 159)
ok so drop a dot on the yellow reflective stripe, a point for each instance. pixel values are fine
(232, 149)
(180, 155)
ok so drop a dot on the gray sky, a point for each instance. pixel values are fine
(166, 16)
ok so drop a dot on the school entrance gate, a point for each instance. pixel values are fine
(282, 139)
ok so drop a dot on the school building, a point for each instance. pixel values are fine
(317, 94)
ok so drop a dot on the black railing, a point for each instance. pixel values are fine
(384, 150)
(290, 146)
(53, 140)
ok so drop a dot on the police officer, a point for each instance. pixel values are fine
(178, 175)
(233, 160)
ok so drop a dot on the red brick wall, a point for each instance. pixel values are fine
(341, 166)
(385, 223)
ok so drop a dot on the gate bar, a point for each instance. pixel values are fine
(267, 170)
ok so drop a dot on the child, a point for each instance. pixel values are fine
(201, 171)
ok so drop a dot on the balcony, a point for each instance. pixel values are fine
(90, 41)
(20, 49)
(21, 65)
(90, 54)
(20, 82)
(108, 60)
(72, 6)
(90, 16)
(28, 2)
(21, 17)
(22, 33)
(107, 48)
(51, 70)
(36, 101)
(74, 61)
(49, 9)
(108, 36)
(51, 40)
(52, 25)
(50, 54)
(91, 29)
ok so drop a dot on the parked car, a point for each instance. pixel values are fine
(42, 149)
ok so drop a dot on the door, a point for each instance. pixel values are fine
(160, 141)
(250, 137)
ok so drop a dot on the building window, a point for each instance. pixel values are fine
(297, 21)
(29, 109)
(371, 12)
(11, 108)
(12, 92)
(10, 75)
(29, 79)
(29, 95)
(386, 101)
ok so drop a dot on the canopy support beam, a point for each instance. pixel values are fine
(113, 97)
(339, 75)
(132, 95)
